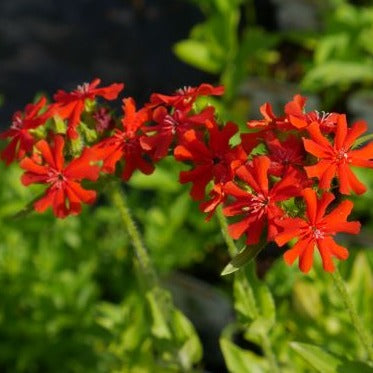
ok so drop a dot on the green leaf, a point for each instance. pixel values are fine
(325, 362)
(159, 324)
(254, 302)
(360, 285)
(319, 359)
(160, 179)
(306, 300)
(241, 361)
(191, 350)
(197, 54)
(337, 73)
(247, 254)
(244, 299)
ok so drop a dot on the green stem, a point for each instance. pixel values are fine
(120, 201)
(232, 248)
(268, 352)
(147, 270)
(361, 331)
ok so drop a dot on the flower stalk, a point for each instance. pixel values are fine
(232, 248)
(119, 200)
(362, 333)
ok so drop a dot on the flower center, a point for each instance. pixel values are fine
(17, 123)
(321, 116)
(184, 91)
(170, 122)
(317, 233)
(83, 88)
(56, 178)
(258, 203)
(342, 155)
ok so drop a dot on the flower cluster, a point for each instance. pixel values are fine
(277, 181)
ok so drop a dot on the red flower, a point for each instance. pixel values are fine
(260, 206)
(171, 125)
(217, 196)
(267, 127)
(125, 143)
(214, 161)
(70, 106)
(103, 120)
(337, 159)
(21, 140)
(301, 120)
(317, 230)
(270, 121)
(284, 155)
(185, 97)
(64, 194)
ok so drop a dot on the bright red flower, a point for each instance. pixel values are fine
(317, 230)
(70, 105)
(22, 141)
(267, 128)
(125, 144)
(64, 194)
(295, 110)
(217, 196)
(184, 98)
(258, 207)
(170, 126)
(285, 154)
(103, 120)
(336, 159)
(214, 161)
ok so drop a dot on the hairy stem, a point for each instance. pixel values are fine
(356, 322)
(232, 248)
(120, 202)
(268, 352)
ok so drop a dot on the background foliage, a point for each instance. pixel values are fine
(71, 297)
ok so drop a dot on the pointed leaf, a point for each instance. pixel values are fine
(159, 324)
(242, 361)
(319, 359)
(247, 254)
(197, 54)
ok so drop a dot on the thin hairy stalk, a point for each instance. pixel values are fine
(356, 322)
(120, 202)
(232, 248)
(268, 352)
(144, 263)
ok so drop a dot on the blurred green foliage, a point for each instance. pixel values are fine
(330, 61)
(71, 299)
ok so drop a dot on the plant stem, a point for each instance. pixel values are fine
(361, 331)
(232, 248)
(144, 261)
(120, 201)
(268, 352)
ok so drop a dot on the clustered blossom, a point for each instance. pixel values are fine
(277, 181)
